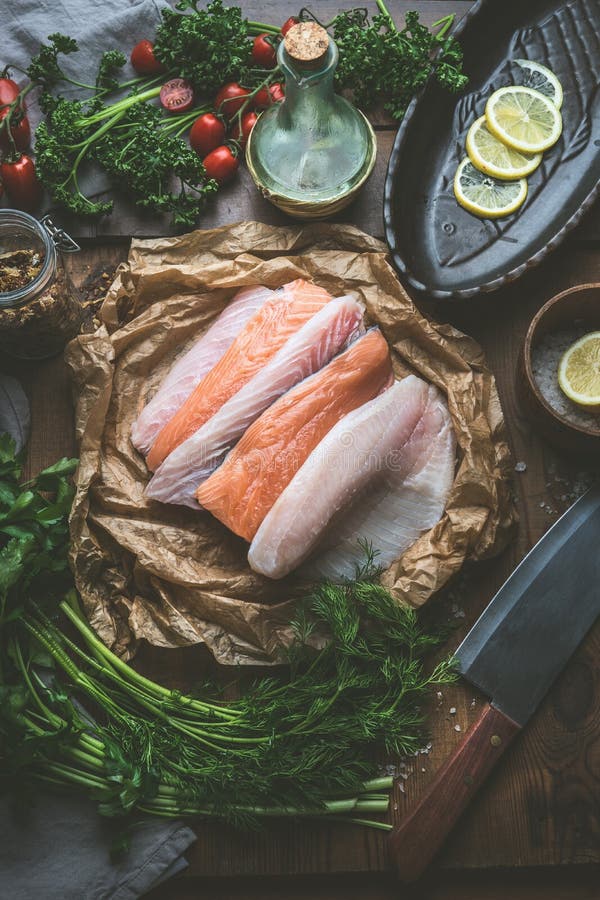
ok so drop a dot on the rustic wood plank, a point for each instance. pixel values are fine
(565, 884)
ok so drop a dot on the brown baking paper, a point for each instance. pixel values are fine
(174, 576)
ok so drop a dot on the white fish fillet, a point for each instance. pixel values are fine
(190, 368)
(309, 349)
(382, 475)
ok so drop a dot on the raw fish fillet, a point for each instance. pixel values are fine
(190, 368)
(382, 475)
(259, 341)
(242, 491)
(306, 351)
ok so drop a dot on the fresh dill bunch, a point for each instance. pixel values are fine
(293, 739)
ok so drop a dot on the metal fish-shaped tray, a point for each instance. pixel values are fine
(436, 245)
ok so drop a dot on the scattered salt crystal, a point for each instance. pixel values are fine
(423, 769)
(521, 467)
(457, 728)
(545, 358)
(473, 702)
(452, 710)
(542, 505)
(439, 695)
(401, 787)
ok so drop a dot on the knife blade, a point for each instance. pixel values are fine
(513, 653)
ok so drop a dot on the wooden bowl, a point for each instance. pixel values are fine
(577, 306)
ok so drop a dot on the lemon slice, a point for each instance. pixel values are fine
(541, 79)
(483, 195)
(491, 156)
(523, 119)
(579, 371)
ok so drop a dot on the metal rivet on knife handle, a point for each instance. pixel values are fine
(495, 740)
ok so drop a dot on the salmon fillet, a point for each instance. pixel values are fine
(257, 343)
(381, 476)
(320, 339)
(192, 366)
(242, 491)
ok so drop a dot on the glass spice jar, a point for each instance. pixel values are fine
(40, 309)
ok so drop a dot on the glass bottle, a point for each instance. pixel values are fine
(313, 150)
(39, 306)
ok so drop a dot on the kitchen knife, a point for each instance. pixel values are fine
(513, 653)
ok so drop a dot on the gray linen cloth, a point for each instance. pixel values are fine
(59, 849)
(96, 25)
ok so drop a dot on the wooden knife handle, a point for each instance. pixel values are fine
(416, 841)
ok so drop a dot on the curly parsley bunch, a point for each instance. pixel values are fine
(378, 62)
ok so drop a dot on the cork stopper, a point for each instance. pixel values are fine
(307, 43)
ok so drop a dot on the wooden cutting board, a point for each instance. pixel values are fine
(542, 806)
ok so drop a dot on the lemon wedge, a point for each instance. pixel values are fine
(579, 371)
(523, 118)
(485, 196)
(491, 156)
(541, 79)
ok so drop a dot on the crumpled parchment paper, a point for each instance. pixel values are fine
(173, 576)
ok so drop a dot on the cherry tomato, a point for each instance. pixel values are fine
(206, 133)
(19, 178)
(265, 97)
(143, 59)
(9, 91)
(177, 95)
(289, 23)
(230, 99)
(21, 132)
(249, 120)
(221, 164)
(263, 52)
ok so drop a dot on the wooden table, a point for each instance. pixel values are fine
(542, 807)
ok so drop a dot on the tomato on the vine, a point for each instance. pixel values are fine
(177, 95)
(289, 23)
(9, 91)
(263, 52)
(21, 135)
(249, 120)
(230, 99)
(265, 98)
(19, 178)
(143, 59)
(21, 132)
(207, 132)
(221, 164)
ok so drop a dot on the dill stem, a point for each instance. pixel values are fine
(367, 823)
(77, 777)
(385, 783)
(124, 669)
